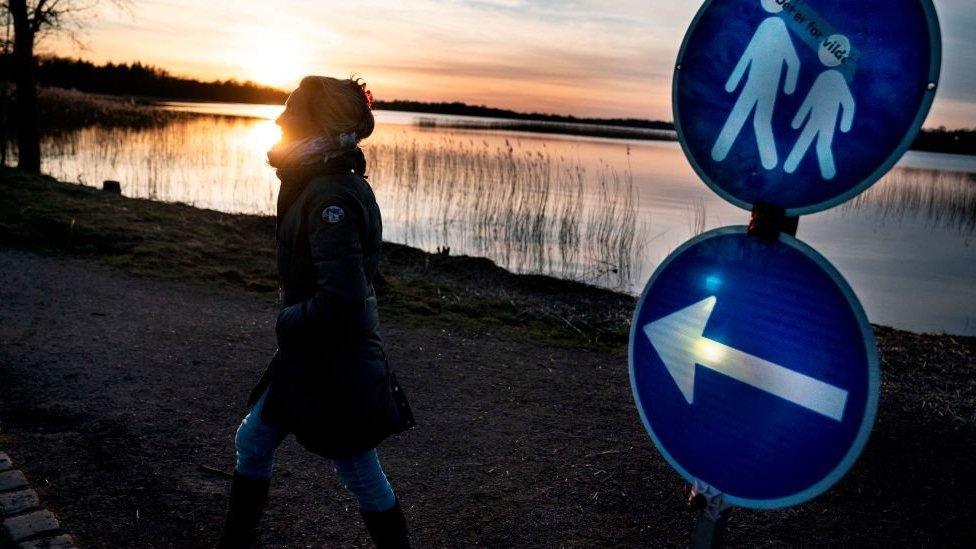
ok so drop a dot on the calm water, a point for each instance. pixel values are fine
(598, 210)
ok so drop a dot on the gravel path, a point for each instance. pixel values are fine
(118, 393)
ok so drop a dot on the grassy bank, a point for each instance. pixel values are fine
(174, 241)
(521, 382)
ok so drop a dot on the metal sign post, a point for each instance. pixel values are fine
(713, 516)
(752, 363)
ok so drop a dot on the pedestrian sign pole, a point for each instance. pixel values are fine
(752, 363)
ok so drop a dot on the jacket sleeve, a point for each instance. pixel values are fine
(336, 252)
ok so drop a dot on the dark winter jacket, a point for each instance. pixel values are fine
(330, 382)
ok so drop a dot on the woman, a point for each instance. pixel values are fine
(329, 383)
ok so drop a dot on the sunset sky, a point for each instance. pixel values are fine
(582, 57)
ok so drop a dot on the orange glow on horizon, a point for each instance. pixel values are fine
(591, 60)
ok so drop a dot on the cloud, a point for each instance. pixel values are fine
(585, 57)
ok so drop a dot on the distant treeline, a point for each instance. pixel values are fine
(946, 141)
(464, 109)
(137, 79)
(141, 80)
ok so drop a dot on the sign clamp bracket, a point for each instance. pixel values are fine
(769, 221)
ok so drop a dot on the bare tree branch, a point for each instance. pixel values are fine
(32, 20)
(68, 17)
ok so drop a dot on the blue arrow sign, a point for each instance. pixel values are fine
(803, 104)
(754, 368)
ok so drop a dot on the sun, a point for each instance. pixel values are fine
(261, 136)
(276, 60)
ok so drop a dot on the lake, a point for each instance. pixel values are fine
(601, 211)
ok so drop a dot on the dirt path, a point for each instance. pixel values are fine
(115, 390)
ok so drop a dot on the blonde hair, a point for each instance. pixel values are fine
(330, 106)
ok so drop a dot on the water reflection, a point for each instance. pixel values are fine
(599, 210)
(521, 204)
(215, 163)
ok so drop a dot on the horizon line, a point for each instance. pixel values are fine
(273, 88)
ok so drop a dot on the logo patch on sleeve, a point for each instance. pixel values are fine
(333, 214)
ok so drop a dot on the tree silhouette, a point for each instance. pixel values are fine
(32, 19)
(5, 44)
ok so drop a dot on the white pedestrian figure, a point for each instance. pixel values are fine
(771, 47)
(827, 98)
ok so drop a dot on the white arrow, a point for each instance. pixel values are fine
(678, 339)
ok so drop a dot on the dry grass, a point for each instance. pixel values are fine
(148, 238)
(529, 210)
(69, 109)
(943, 199)
(934, 374)
(175, 241)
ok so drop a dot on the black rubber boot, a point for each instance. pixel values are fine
(388, 528)
(247, 499)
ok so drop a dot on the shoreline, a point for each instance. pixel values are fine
(236, 252)
(76, 109)
(130, 233)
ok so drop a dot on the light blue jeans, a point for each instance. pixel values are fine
(360, 474)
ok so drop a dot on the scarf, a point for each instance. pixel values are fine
(297, 162)
(311, 151)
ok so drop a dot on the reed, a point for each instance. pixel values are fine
(62, 109)
(528, 210)
(697, 220)
(940, 199)
(521, 203)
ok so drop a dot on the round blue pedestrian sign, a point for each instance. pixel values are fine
(803, 104)
(754, 368)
